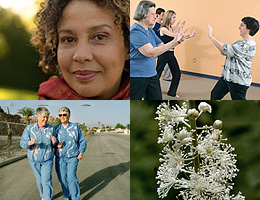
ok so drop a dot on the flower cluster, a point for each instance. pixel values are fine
(194, 160)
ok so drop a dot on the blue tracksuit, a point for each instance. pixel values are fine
(66, 164)
(40, 156)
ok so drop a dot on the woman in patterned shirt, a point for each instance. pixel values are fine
(39, 140)
(70, 149)
(236, 76)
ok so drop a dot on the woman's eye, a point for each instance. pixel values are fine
(100, 37)
(68, 40)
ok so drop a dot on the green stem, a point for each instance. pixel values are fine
(196, 161)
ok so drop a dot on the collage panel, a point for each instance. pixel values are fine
(195, 150)
(194, 50)
(64, 50)
(86, 50)
(64, 150)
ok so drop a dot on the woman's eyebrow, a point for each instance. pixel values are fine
(65, 31)
(92, 28)
(99, 26)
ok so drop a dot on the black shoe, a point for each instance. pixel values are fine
(167, 80)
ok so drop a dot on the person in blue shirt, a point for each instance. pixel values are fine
(39, 139)
(70, 149)
(145, 46)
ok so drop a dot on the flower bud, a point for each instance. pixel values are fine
(203, 107)
(193, 113)
(217, 124)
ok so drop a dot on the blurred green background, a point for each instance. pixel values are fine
(241, 126)
(19, 72)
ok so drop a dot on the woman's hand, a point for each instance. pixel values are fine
(80, 156)
(183, 24)
(60, 144)
(216, 42)
(53, 139)
(32, 141)
(184, 35)
(175, 28)
(192, 34)
(210, 31)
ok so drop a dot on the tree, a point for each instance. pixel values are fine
(26, 112)
(118, 125)
(83, 127)
(54, 121)
(17, 57)
(109, 128)
(128, 126)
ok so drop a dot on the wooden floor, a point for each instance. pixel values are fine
(197, 88)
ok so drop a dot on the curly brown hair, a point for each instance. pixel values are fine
(45, 36)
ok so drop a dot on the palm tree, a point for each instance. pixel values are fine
(26, 112)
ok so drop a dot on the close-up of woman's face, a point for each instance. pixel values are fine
(91, 51)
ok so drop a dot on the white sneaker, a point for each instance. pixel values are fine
(66, 199)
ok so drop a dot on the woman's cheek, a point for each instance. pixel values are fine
(64, 58)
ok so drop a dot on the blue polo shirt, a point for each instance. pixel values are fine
(140, 65)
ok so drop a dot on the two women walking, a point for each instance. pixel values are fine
(66, 141)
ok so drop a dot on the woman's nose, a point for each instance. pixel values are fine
(83, 52)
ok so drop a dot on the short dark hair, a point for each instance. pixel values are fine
(143, 9)
(252, 24)
(159, 11)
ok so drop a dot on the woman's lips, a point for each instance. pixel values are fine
(85, 75)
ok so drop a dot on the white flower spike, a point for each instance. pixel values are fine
(209, 179)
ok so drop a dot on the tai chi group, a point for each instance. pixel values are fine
(65, 141)
(153, 40)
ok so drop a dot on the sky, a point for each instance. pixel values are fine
(106, 112)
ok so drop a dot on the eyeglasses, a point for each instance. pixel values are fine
(63, 115)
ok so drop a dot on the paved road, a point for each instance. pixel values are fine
(104, 173)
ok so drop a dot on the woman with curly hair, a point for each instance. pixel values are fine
(87, 43)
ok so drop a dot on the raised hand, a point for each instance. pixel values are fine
(183, 24)
(192, 34)
(210, 31)
(184, 35)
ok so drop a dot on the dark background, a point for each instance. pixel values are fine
(18, 59)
